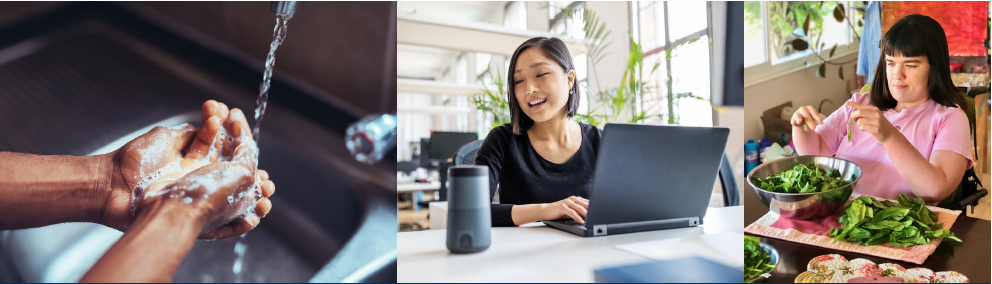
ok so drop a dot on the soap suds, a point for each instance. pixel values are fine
(148, 179)
(209, 182)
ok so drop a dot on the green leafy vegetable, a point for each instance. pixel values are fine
(905, 223)
(802, 179)
(849, 130)
(757, 260)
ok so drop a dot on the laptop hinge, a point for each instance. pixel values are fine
(620, 228)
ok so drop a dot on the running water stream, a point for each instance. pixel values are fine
(278, 35)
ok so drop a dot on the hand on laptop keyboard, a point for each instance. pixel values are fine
(573, 208)
(569, 221)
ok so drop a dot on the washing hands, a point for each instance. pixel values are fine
(210, 173)
(174, 184)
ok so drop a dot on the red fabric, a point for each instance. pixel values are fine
(813, 227)
(964, 22)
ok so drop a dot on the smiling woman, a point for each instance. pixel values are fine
(542, 65)
(542, 161)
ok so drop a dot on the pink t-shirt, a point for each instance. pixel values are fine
(929, 127)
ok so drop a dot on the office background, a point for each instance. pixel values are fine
(448, 52)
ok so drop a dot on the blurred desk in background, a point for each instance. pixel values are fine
(416, 186)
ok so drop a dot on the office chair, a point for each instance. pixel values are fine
(730, 194)
(465, 156)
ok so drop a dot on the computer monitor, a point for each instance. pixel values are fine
(425, 152)
(444, 145)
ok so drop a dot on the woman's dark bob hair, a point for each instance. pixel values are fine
(555, 49)
(912, 36)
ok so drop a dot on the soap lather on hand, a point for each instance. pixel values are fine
(218, 175)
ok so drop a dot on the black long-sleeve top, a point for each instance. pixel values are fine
(524, 177)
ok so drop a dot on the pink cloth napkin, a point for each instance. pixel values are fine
(816, 233)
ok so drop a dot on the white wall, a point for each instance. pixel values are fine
(537, 16)
(801, 87)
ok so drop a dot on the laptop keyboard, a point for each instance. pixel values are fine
(568, 221)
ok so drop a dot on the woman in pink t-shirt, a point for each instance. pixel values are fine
(911, 135)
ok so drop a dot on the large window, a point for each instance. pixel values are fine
(561, 24)
(754, 34)
(581, 78)
(771, 27)
(687, 102)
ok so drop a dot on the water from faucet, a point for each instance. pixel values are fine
(278, 35)
(239, 258)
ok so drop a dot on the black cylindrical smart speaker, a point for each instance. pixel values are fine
(468, 209)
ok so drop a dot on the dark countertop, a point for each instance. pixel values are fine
(970, 258)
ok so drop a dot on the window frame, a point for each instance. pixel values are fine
(705, 32)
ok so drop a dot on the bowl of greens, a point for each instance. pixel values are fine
(759, 260)
(805, 187)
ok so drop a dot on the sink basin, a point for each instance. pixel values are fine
(333, 218)
(316, 210)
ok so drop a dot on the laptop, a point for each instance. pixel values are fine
(651, 177)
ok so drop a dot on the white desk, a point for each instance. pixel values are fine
(414, 186)
(536, 253)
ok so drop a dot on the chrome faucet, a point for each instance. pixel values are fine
(371, 137)
(284, 8)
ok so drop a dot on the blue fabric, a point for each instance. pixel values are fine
(871, 34)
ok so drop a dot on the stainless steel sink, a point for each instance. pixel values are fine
(333, 219)
(290, 245)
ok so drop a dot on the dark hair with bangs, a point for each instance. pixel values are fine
(912, 36)
(555, 49)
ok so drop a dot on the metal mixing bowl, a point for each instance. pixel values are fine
(774, 261)
(805, 206)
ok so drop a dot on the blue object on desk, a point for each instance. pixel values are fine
(683, 270)
(417, 197)
(750, 156)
